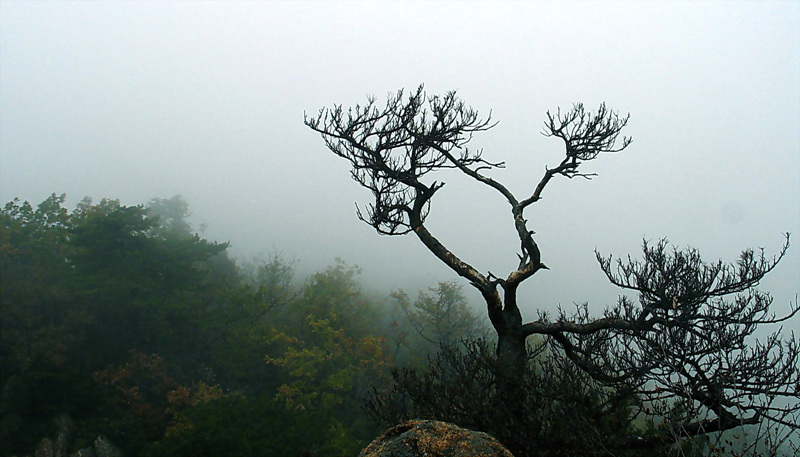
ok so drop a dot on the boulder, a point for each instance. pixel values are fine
(86, 452)
(424, 438)
(103, 447)
(45, 448)
(65, 428)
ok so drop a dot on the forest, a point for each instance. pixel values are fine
(123, 321)
(128, 323)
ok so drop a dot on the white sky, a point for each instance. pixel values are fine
(136, 100)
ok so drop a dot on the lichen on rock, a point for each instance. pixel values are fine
(426, 438)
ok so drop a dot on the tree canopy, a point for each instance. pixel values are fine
(128, 322)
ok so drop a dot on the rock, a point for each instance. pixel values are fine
(65, 427)
(104, 448)
(423, 438)
(45, 448)
(86, 452)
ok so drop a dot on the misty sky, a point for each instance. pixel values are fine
(144, 99)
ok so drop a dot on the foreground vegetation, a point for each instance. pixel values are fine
(126, 321)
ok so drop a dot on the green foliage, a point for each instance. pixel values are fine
(239, 324)
(128, 321)
(43, 324)
(144, 400)
(252, 427)
(328, 367)
(41, 320)
(81, 290)
(327, 350)
(172, 215)
(334, 294)
(144, 289)
(438, 318)
(560, 412)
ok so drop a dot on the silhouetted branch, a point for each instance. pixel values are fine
(391, 149)
(685, 342)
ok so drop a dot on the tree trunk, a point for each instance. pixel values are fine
(512, 357)
(510, 401)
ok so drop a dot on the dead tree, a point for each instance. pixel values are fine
(683, 340)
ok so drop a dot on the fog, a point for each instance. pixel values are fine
(137, 100)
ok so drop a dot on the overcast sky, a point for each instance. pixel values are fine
(144, 99)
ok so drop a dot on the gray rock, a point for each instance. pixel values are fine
(103, 447)
(422, 438)
(65, 428)
(86, 452)
(45, 448)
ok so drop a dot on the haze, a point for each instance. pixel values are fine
(136, 100)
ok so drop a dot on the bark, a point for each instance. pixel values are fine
(512, 358)
(512, 354)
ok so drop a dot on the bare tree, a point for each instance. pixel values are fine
(684, 341)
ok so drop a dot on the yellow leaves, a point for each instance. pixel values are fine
(183, 397)
(296, 397)
(201, 393)
(205, 393)
(126, 378)
(323, 368)
(373, 349)
(151, 394)
(323, 351)
(180, 396)
(280, 337)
